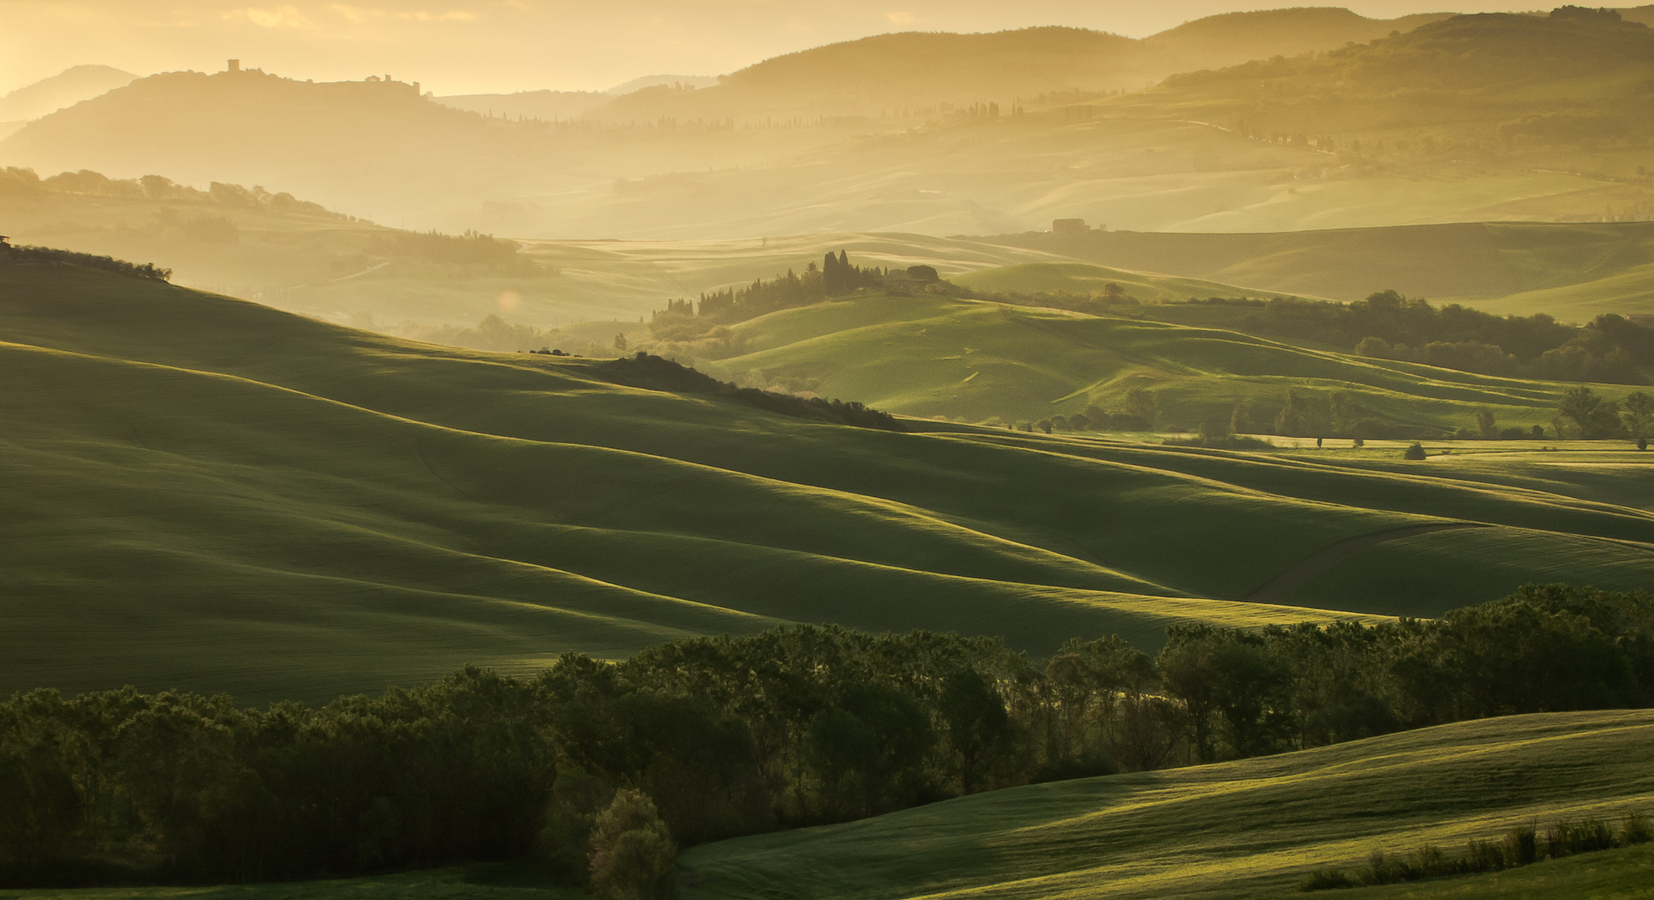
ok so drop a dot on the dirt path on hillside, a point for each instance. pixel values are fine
(1321, 562)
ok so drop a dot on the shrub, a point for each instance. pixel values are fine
(1414, 452)
(1636, 830)
(1324, 880)
(1430, 861)
(632, 854)
(1522, 845)
(1484, 856)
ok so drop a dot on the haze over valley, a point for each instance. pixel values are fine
(706, 451)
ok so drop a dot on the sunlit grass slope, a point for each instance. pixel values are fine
(1240, 829)
(204, 493)
(930, 356)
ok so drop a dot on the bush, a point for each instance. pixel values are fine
(632, 854)
(1414, 452)
(1522, 845)
(1325, 880)
(1636, 830)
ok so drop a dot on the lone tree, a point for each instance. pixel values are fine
(1486, 428)
(1588, 415)
(1638, 415)
(1414, 452)
(1143, 404)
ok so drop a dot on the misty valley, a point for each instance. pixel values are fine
(916, 459)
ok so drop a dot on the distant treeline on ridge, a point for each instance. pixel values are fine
(16, 182)
(686, 320)
(10, 255)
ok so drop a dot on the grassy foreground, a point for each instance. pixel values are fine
(1251, 828)
(207, 494)
(1248, 828)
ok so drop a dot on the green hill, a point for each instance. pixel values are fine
(980, 361)
(214, 495)
(1253, 828)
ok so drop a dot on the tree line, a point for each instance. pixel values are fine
(1581, 414)
(601, 769)
(688, 320)
(16, 182)
(1388, 325)
(25, 255)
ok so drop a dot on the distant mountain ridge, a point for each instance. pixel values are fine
(61, 90)
(1480, 80)
(868, 76)
(949, 134)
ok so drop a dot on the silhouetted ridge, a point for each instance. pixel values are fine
(657, 374)
(25, 256)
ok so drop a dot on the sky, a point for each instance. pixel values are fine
(481, 46)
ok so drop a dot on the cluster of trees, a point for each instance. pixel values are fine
(600, 769)
(655, 373)
(1098, 302)
(1137, 412)
(1388, 325)
(469, 249)
(49, 256)
(689, 320)
(23, 182)
(1584, 415)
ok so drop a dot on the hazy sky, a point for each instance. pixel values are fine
(463, 46)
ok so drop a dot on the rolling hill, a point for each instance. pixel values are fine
(1572, 271)
(1490, 88)
(899, 76)
(209, 494)
(61, 90)
(982, 361)
(1252, 828)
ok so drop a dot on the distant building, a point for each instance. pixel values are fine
(1068, 226)
(233, 67)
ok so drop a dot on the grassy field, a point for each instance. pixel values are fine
(209, 494)
(1252, 828)
(935, 356)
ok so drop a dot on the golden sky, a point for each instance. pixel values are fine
(466, 46)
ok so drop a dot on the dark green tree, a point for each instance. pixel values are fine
(1638, 414)
(1587, 415)
(1486, 428)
